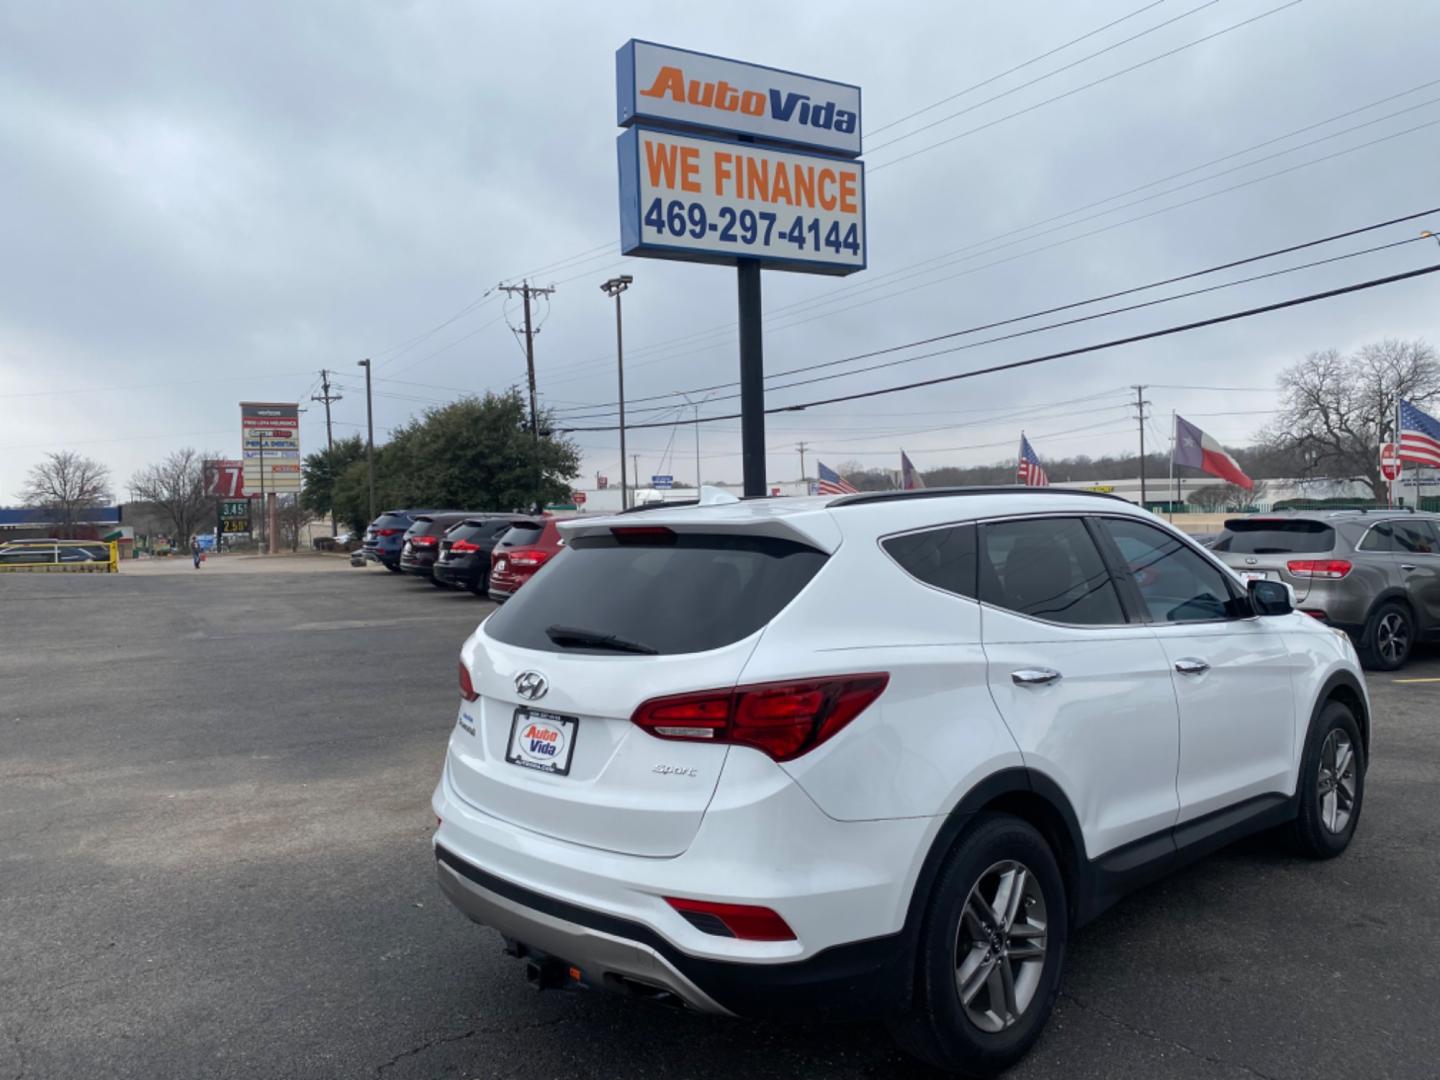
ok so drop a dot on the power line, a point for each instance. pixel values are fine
(1080, 89)
(1032, 82)
(1018, 67)
(1012, 237)
(1174, 279)
(1065, 353)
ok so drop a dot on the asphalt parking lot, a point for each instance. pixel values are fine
(214, 861)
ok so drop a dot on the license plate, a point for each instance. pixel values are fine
(1258, 575)
(542, 741)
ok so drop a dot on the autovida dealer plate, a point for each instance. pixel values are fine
(542, 741)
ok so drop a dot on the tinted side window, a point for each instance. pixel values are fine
(1415, 537)
(944, 558)
(1176, 583)
(1048, 568)
(1379, 538)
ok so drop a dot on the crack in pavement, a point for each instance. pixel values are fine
(1154, 1036)
(444, 1039)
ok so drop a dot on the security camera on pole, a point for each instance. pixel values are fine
(782, 186)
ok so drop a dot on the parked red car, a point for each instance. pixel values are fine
(520, 552)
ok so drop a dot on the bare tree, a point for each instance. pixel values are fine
(1338, 409)
(66, 484)
(176, 487)
(291, 517)
(1219, 497)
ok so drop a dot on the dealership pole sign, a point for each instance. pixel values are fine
(741, 165)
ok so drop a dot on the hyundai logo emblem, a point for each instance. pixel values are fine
(531, 685)
(1250, 560)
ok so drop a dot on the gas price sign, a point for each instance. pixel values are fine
(710, 200)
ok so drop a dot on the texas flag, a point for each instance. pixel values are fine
(1198, 450)
(909, 475)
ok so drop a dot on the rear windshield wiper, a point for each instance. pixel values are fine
(567, 636)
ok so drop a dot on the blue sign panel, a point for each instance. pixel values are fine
(662, 481)
(678, 88)
(703, 199)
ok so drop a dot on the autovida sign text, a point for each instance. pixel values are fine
(727, 162)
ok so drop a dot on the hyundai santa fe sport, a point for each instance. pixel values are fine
(877, 754)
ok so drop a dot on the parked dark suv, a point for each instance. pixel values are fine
(421, 544)
(386, 536)
(1374, 574)
(464, 559)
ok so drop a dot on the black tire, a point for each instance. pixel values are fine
(438, 583)
(1388, 637)
(940, 1030)
(480, 587)
(394, 568)
(1315, 831)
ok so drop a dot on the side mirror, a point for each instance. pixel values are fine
(1272, 597)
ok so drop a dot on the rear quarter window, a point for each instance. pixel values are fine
(1244, 536)
(686, 594)
(944, 558)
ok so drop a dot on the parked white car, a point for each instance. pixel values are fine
(877, 754)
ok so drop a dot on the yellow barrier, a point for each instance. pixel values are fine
(109, 566)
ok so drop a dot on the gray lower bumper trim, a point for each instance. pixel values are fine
(595, 953)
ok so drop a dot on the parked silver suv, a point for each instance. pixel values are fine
(1375, 574)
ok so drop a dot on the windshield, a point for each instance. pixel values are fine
(685, 593)
(1247, 536)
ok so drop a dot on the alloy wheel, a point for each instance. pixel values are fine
(1392, 637)
(1335, 790)
(1000, 946)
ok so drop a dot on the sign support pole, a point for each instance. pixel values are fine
(752, 378)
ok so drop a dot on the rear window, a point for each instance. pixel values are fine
(520, 535)
(687, 593)
(391, 521)
(479, 530)
(1246, 536)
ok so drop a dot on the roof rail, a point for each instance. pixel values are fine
(867, 497)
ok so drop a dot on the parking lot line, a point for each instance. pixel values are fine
(1427, 680)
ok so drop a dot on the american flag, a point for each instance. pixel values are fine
(1030, 473)
(832, 483)
(1419, 436)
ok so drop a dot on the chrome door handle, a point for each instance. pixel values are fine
(1191, 666)
(1034, 676)
(1407, 566)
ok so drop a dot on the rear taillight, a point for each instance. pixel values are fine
(464, 547)
(387, 532)
(467, 688)
(643, 534)
(424, 541)
(1319, 568)
(743, 921)
(1314, 614)
(528, 557)
(781, 719)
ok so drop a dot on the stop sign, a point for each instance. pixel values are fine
(1389, 461)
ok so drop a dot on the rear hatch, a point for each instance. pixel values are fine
(386, 527)
(695, 602)
(1267, 547)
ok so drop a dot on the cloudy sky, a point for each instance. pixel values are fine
(204, 203)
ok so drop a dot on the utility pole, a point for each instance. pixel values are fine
(635, 463)
(527, 291)
(696, 406)
(326, 398)
(614, 287)
(1140, 404)
(802, 463)
(370, 435)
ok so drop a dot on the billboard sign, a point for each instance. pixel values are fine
(668, 87)
(661, 482)
(707, 200)
(224, 479)
(270, 438)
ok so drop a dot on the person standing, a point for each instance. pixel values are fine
(195, 552)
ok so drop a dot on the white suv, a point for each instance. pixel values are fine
(876, 754)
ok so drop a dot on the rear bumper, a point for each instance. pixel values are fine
(856, 979)
(461, 575)
(417, 567)
(844, 887)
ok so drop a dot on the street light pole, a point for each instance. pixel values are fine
(614, 287)
(370, 435)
